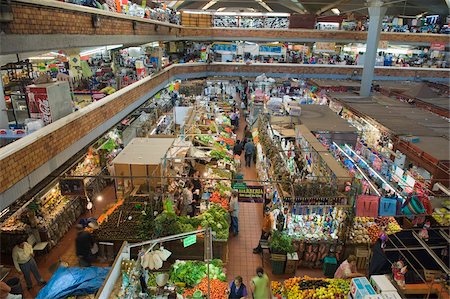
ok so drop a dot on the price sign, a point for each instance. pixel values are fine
(191, 240)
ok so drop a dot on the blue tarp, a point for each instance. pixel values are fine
(73, 282)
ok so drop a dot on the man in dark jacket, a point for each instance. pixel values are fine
(237, 148)
(84, 243)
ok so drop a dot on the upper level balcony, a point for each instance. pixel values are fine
(43, 25)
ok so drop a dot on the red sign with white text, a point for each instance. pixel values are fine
(38, 104)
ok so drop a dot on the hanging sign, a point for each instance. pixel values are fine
(191, 240)
(252, 194)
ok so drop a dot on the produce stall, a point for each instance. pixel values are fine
(308, 287)
(152, 268)
(140, 164)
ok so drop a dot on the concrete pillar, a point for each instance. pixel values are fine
(3, 112)
(376, 14)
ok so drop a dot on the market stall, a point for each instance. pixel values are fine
(152, 268)
(140, 164)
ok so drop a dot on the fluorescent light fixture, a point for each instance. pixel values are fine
(41, 58)
(359, 169)
(336, 11)
(196, 12)
(251, 14)
(376, 173)
(209, 4)
(263, 4)
(98, 50)
(221, 9)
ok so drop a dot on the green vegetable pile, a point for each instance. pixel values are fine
(218, 154)
(192, 272)
(205, 139)
(216, 217)
(168, 223)
(281, 243)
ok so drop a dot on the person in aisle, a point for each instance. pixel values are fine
(237, 289)
(237, 148)
(249, 152)
(186, 201)
(196, 190)
(5, 292)
(348, 269)
(234, 212)
(267, 229)
(23, 258)
(260, 285)
(84, 243)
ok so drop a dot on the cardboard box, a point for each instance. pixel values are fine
(391, 295)
(360, 288)
(382, 284)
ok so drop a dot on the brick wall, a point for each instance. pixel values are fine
(31, 18)
(35, 19)
(23, 160)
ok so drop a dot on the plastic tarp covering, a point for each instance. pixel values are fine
(74, 282)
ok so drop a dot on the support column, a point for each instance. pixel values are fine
(3, 112)
(376, 14)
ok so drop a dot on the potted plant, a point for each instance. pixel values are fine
(280, 245)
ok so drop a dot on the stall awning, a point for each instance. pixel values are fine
(144, 151)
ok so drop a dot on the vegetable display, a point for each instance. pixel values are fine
(219, 199)
(281, 243)
(192, 272)
(168, 223)
(216, 217)
(217, 288)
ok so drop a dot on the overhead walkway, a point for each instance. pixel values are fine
(41, 25)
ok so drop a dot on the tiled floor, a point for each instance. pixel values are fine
(241, 260)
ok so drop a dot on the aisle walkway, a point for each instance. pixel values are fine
(241, 260)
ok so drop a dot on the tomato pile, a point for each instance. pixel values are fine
(217, 288)
(217, 198)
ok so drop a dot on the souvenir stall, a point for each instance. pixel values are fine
(45, 218)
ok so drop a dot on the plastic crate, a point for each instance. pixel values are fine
(329, 266)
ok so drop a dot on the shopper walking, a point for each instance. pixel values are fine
(249, 152)
(260, 285)
(196, 190)
(237, 289)
(267, 228)
(234, 212)
(23, 258)
(83, 244)
(237, 148)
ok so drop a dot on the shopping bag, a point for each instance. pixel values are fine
(367, 205)
(388, 207)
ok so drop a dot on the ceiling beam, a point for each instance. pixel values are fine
(330, 6)
(294, 6)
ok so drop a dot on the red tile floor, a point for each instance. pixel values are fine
(241, 260)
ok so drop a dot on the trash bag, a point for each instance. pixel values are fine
(74, 281)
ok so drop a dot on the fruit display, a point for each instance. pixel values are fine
(442, 215)
(311, 288)
(217, 288)
(367, 230)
